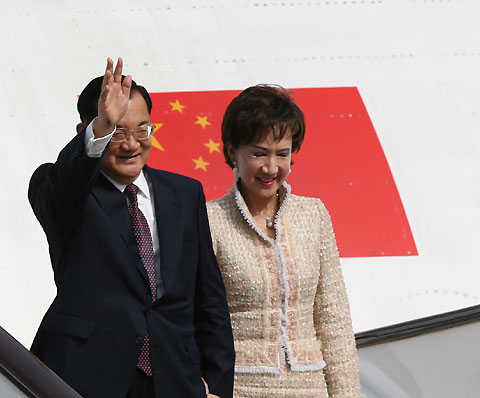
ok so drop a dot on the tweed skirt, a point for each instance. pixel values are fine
(285, 385)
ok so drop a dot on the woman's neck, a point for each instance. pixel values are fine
(265, 207)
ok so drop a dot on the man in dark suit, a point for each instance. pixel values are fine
(140, 309)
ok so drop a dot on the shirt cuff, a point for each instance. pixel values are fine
(94, 147)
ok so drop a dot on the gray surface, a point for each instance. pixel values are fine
(8, 390)
(443, 364)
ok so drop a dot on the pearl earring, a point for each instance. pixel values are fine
(235, 173)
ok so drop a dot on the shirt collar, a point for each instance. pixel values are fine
(140, 182)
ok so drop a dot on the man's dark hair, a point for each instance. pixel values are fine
(259, 111)
(87, 104)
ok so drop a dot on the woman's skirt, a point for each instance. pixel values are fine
(285, 385)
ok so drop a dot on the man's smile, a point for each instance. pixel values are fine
(127, 157)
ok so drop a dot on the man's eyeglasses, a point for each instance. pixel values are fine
(140, 133)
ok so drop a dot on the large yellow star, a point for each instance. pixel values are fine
(176, 106)
(202, 121)
(155, 142)
(200, 164)
(212, 146)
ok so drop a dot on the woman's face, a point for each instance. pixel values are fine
(262, 167)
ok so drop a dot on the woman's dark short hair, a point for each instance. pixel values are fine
(259, 111)
(87, 104)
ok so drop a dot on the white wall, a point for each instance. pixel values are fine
(415, 63)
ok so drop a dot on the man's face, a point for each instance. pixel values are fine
(123, 161)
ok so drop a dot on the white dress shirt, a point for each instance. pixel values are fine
(94, 148)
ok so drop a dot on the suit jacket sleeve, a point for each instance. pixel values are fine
(332, 319)
(212, 318)
(58, 190)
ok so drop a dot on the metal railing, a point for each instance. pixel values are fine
(28, 373)
(417, 327)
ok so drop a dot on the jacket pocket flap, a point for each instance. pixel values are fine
(69, 324)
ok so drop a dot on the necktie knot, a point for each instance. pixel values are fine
(131, 190)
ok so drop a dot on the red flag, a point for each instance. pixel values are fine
(341, 162)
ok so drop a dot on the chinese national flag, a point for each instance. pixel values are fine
(341, 162)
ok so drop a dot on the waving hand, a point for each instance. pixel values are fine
(113, 101)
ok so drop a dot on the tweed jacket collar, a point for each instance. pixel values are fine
(285, 191)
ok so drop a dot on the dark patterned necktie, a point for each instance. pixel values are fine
(145, 247)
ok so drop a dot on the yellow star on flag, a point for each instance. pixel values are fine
(200, 164)
(176, 106)
(202, 121)
(212, 146)
(155, 142)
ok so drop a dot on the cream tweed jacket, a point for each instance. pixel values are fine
(287, 297)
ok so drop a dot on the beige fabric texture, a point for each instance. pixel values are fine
(287, 298)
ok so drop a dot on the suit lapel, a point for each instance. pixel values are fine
(168, 213)
(115, 207)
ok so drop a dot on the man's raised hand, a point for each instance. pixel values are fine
(113, 101)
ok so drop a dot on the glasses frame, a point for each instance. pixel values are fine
(134, 132)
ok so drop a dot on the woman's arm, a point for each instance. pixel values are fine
(332, 318)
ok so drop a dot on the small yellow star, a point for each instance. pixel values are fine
(200, 164)
(176, 106)
(202, 121)
(155, 142)
(212, 146)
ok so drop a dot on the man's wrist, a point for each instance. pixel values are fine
(102, 129)
(94, 147)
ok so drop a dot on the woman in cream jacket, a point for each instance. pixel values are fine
(279, 260)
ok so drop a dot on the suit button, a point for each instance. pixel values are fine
(139, 340)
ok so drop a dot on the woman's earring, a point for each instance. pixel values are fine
(235, 172)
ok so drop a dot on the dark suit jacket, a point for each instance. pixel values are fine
(92, 333)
